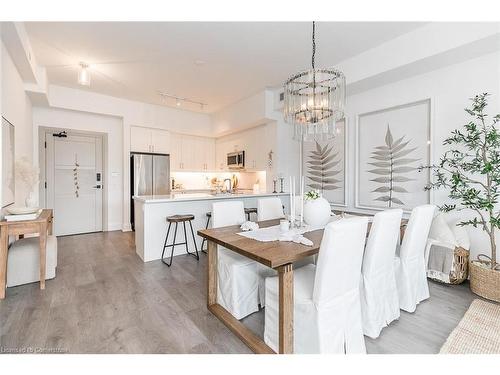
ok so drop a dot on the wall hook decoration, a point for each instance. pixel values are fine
(270, 159)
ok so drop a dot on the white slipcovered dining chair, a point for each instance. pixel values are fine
(237, 278)
(411, 277)
(327, 311)
(379, 293)
(269, 209)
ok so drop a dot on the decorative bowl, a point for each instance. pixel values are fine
(19, 210)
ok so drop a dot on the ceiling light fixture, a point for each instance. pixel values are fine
(179, 100)
(314, 100)
(84, 74)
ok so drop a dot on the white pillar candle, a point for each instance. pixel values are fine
(292, 208)
(302, 201)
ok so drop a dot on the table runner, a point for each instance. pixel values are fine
(273, 233)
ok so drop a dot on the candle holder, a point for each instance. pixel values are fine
(274, 187)
(282, 179)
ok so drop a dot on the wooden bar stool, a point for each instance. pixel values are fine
(179, 219)
(209, 216)
(249, 211)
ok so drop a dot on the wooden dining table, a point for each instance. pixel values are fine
(278, 255)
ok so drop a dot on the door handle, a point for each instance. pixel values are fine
(97, 187)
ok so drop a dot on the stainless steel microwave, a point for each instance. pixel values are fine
(236, 160)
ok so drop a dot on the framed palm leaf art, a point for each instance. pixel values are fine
(391, 145)
(324, 166)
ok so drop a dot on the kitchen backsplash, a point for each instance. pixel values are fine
(202, 180)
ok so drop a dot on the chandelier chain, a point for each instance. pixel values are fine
(313, 43)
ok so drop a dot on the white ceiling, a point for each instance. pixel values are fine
(136, 59)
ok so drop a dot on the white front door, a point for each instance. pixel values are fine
(74, 183)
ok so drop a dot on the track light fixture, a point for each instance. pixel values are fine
(180, 100)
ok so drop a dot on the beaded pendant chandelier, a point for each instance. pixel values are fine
(314, 101)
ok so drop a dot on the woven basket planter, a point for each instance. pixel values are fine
(484, 281)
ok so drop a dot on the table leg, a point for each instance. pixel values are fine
(50, 223)
(43, 253)
(4, 244)
(212, 274)
(285, 277)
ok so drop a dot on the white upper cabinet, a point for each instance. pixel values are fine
(192, 153)
(209, 154)
(160, 141)
(149, 140)
(140, 139)
(176, 152)
(255, 142)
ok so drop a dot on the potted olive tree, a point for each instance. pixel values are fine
(470, 170)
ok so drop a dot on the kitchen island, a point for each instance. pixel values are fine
(151, 213)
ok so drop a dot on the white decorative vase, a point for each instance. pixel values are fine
(30, 200)
(317, 211)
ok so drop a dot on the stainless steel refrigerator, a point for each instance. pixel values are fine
(149, 175)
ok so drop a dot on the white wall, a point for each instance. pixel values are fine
(449, 90)
(244, 114)
(16, 108)
(131, 113)
(112, 128)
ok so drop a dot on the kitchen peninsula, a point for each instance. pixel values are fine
(151, 213)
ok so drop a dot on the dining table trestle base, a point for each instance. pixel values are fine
(254, 342)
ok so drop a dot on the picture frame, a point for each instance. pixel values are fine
(335, 183)
(386, 180)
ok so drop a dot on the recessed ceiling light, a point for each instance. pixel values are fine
(84, 74)
(199, 62)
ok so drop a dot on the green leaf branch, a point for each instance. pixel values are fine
(470, 170)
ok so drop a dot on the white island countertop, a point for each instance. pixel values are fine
(150, 213)
(176, 197)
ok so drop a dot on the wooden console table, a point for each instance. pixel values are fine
(41, 225)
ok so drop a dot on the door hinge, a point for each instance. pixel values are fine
(45, 144)
(45, 184)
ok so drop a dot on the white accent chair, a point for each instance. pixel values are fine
(327, 310)
(410, 268)
(379, 293)
(237, 278)
(23, 261)
(444, 253)
(269, 209)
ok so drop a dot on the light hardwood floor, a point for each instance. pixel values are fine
(106, 300)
